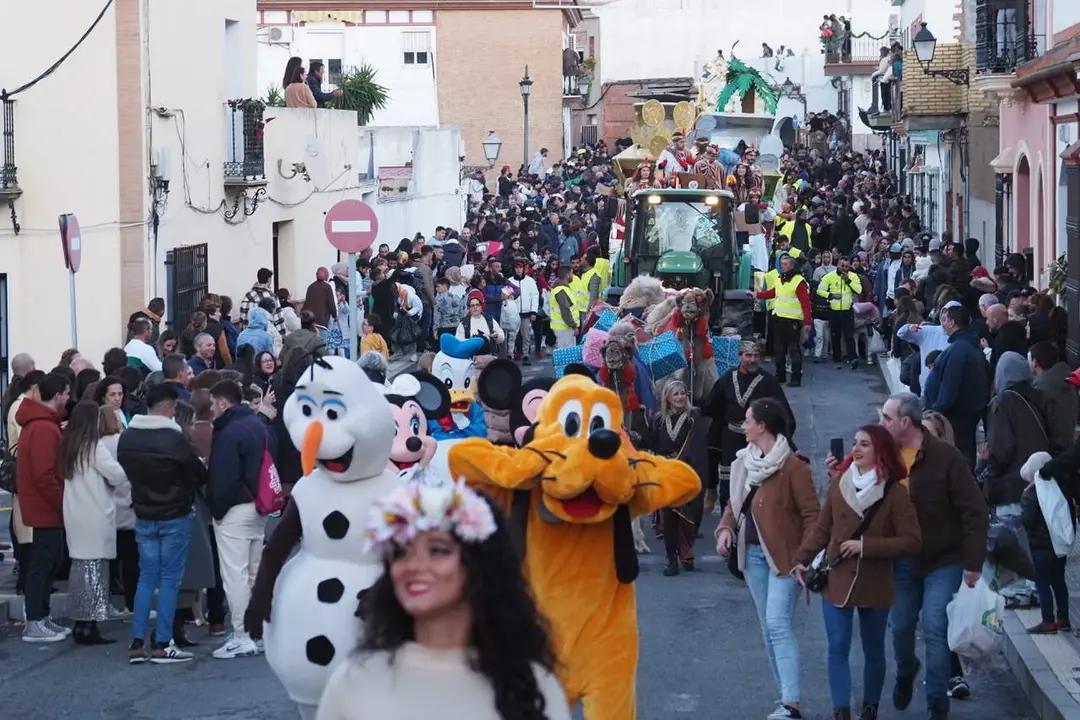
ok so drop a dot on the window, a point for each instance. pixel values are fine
(416, 47)
(333, 67)
(400, 17)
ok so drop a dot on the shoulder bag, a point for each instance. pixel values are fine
(817, 576)
(733, 556)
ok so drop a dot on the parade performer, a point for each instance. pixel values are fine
(455, 367)
(620, 375)
(414, 400)
(707, 165)
(676, 158)
(680, 432)
(644, 178)
(501, 388)
(584, 482)
(690, 323)
(344, 429)
(726, 405)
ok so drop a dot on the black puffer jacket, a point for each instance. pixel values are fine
(163, 467)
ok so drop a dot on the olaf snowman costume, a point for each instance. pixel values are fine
(343, 425)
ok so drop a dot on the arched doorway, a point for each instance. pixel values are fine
(787, 132)
(1041, 241)
(1022, 213)
(1061, 231)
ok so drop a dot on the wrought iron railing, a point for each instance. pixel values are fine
(186, 282)
(1004, 36)
(855, 48)
(245, 159)
(9, 177)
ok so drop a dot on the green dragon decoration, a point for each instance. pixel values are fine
(741, 79)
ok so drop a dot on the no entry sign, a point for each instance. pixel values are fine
(71, 237)
(351, 226)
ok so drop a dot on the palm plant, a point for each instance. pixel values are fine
(274, 97)
(748, 84)
(361, 93)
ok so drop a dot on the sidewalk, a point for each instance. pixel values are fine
(1046, 666)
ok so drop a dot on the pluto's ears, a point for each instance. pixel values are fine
(433, 397)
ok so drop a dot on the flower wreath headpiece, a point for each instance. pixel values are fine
(421, 506)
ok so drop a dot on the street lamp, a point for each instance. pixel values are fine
(492, 145)
(526, 89)
(925, 45)
(583, 85)
(787, 87)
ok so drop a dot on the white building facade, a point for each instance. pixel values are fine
(178, 191)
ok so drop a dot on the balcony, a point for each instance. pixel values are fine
(1004, 36)
(854, 55)
(245, 157)
(9, 180)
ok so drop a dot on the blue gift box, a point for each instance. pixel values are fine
(662, 355)
(561, 357)
(607, 320)
(726, 352)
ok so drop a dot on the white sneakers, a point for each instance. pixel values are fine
(237, 646)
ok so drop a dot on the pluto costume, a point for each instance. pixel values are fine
(571, 492)
(343, 426)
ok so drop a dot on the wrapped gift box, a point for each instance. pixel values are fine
(602, 316)
(593, 347)
(607, 319)
(726, 352)
(561, 357)
(662, 355)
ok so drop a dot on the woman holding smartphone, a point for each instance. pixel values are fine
(867, 521)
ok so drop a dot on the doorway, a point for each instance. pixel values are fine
(283, 245)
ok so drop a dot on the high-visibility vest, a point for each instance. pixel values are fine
(832, 283)
(771, 279)
(603, 268)
(556, 316)
(586, 280)
(580, 292)
(787, 299)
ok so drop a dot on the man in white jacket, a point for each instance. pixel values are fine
(526, 304)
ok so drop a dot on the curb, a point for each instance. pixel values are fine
(1048, 697)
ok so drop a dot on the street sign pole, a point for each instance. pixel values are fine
(351, 226)
(74, 312)
(354, 346)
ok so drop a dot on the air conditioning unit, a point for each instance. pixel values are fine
(281, 35)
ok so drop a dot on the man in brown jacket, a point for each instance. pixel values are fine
(424, 266)
(320, 299)
(954, 518)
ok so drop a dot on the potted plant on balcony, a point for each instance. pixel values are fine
(274, 97)
(360, 92)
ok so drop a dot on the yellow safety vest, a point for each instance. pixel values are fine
(832, 283)
(580, 292)
(787, 304)
(603, 268)
(586, 280)
(556, 316)
(771, 278)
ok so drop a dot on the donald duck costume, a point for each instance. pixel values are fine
(454, 366)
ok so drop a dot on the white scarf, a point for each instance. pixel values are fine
(758, 466)
(863, 482)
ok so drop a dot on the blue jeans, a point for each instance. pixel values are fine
(774, 599)
(928, 594)
(1050, 582)
(839, 622)
(163, 551)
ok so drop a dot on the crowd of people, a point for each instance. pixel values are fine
(138, 476)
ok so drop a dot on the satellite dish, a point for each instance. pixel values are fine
(706, 124)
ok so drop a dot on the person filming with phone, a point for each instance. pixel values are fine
(867, 521)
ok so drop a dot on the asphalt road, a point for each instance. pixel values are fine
(701, 649)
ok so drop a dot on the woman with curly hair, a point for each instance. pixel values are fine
(451, 630)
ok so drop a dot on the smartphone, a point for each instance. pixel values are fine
(836, 447)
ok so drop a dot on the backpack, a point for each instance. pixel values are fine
(270, 496)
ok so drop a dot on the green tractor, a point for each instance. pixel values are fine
(686, 238)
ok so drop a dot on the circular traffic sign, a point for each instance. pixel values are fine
(351, 226)
(71, 236)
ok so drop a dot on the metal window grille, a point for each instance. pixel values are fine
(416, 47)
(1004, 35)
(8, 171)
(246, 159)
(588, 134)
(186, 282)
(931, 204)
(5, 352)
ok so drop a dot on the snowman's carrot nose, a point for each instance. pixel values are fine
(309, 452)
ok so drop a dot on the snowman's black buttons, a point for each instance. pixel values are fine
(320, 651)
(336, 525)
(330, 591)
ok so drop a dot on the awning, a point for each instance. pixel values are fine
(312, 16)
(1004, 162)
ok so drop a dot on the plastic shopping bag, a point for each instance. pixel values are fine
(1057, 513)
(876, 344)
(975, 624)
